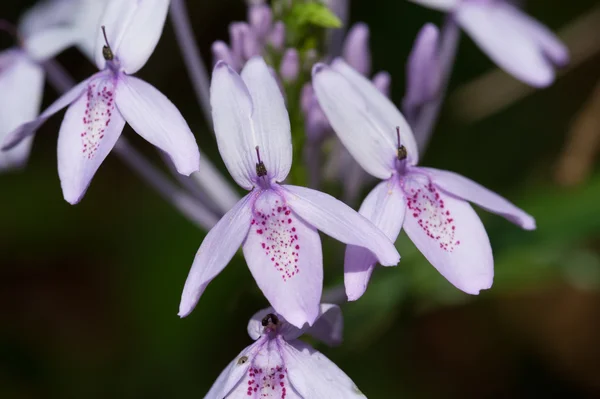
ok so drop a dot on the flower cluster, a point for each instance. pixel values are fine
(259, 80)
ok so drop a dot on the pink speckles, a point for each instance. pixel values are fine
(427, 206)
(267, 376)
(97, 117)
(278, 238)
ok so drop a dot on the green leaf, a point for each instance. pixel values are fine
(316, 14)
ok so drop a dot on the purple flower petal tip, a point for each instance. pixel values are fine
(318, 68)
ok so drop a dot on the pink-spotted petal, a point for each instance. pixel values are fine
(133, 29)
(284, 255)
(21, 85)
(217, 249)
(449, 233)
(384, 207)
(156, 119)
(468, 190)
(328, 327)
(341, 222)
(90, 129)
(234, 373)
(29, 128)
(313, 375)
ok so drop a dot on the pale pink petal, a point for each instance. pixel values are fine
(471, 191)
(356, 51)
(449, 233)
(504, 40)
(50, 42)
(327, 328)
(156, 119)
(133, 29)
(232, 117)
(234, 373)
(341, 222)
(22, 86)
(270, 121)
(29, 128)
(45, 15)
(89, 131)
(385, 207)
(217, 249)
(284, 255)
(313, 375)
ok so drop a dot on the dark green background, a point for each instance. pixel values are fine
(89, 293)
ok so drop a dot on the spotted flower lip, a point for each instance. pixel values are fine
(275, 224)
(431, 205)
(278, 365)
(99, 107)
(516, 42)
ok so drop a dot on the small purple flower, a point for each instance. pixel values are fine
(516, 42)
(431, 205)
(100, 105)
(275, 224)
(279, 365)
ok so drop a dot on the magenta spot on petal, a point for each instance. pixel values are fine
(100, 103)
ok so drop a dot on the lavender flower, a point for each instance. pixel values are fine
(430, 204)
(100, 105)
(279, 365)
(276, 224)
(516, 42)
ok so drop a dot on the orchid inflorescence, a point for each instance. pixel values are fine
(281, 65)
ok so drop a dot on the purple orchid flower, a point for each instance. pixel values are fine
(431, 205)
(44, 31)
(100, 105)
(516, 42)
(276, 224)
(279, 365)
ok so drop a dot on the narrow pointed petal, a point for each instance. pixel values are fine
(441, 5)
(50, 42)
(496, 32)
(471, 191)
(313, 375)
(261, 19)
(271, 123)
(327, 328)
(89, 131)
(383, 82)
(384, 207)
(21, 85)
(234, 373)
(29, 128)
(341, 222)
(133, 29)
(157, 120)
(217, 249)
(284, 255)
(232, 116)
(357, 52)
(449, 233)
(386, 113)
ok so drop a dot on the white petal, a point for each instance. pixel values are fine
(449, 233)
(90, 129)
(284, 255)
(44, 15)
(341, 222)
(441, 5)
(133, 29)
(505, 41)
(232, 112)
(217, 249)
(21, 85)
(386, 113)
(50, 42)
(385, 207)
(29, 128)
(233, 374)
(313, 375)
(156, 119)
(271, 123)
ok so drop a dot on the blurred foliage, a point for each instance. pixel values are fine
(90, 293)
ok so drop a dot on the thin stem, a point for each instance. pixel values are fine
(181, 200)
(429, 114)
(191, 55)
